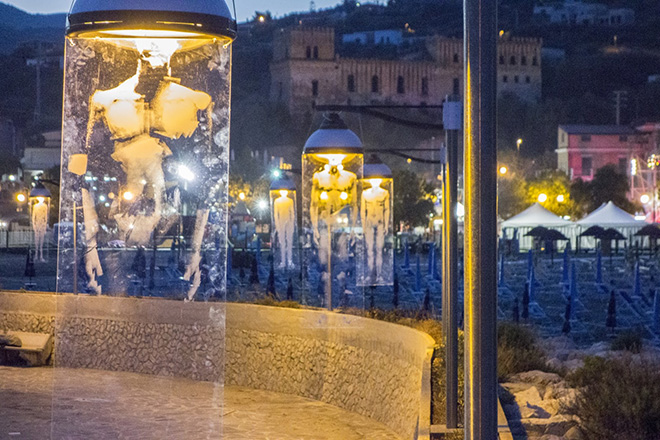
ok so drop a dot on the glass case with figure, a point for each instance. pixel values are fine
(284, 217)
(376, 217)
(332, 173)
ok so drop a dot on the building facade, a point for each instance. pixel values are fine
(306, 70)
(583, 149)
(572, 12)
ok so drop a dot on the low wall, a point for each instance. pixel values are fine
(373, 368)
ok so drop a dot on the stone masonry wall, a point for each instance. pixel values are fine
(369, 367)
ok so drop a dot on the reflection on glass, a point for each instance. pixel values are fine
(148, 150)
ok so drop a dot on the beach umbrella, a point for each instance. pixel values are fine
(638, 281)
(656, 312)
(418, 276)
(406, 255)
(599, 267)
(565, 268)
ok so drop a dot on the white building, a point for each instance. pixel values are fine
(394, 37)
(573, 12)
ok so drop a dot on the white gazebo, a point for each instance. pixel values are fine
(608, 215)
(535, 215)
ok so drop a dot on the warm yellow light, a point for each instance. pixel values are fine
(150, 33)
(20, 197)
(343, 195)
(284, 193)
(561, 198)
(324, 195)
(501, 32)
(40, 200)
(333, 159)
(262, 19)
(111, 196)
(543, 198)
(645, 198)
(128, 196)
(503, 170)
(375, 183)
(409, 160)
(241, 196)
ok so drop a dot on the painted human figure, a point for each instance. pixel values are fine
(284, 218)
(141, 113)
(333, 188)
(40, 226)
(375, 212)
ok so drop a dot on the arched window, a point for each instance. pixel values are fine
(308, 52)
(315, 88)
(425, 86)
(375, 86)
(351, 83)
(501, 59)
(316, 52)
(400, 85)
(523, 60)
(535, 61)
(456, 58)
(513, 60)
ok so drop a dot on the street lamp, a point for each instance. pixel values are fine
(645, 199)
(503, 170)
(561, 198)
(332, 168)
(542, 198)
(376, 214)
(284, 220)
(519, 142)
(146, 80)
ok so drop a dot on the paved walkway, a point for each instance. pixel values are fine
(63, 404)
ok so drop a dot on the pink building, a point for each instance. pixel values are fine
(583, 149)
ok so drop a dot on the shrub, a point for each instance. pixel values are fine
(617, 399)
(629, 340)
(270, 301)
(517, 351)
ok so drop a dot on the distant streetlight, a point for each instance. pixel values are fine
(561, 198)
(276, 173)
(21, 198)
(241, 196)
(645, 199)
(518, 144)
(503, 170)
(542, 198)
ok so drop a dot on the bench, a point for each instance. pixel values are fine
(34, 351)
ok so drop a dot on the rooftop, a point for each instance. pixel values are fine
(598, 129)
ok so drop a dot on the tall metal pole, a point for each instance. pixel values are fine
(75, 248)
(452, 120)
(480, 188)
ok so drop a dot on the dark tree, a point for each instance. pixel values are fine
(289, 290)
(611, 311)
(525, 302)
(395, 288)
(516, 311)
(254, 272)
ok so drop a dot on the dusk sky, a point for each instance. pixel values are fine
(244, 8)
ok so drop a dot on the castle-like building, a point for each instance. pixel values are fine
(306, 69)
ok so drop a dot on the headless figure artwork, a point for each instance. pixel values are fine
(284, 217)
(375, 212)
(333, 188)
(40, 226)
(142, 113)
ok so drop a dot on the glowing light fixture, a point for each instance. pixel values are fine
(503, 170)
(21, 198)
(561, 198)
(241, 196)
(542, 198)
(645, 198)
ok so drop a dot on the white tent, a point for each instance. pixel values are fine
(535, 215)
(608, 215)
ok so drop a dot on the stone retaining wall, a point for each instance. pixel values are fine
(373, 368)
